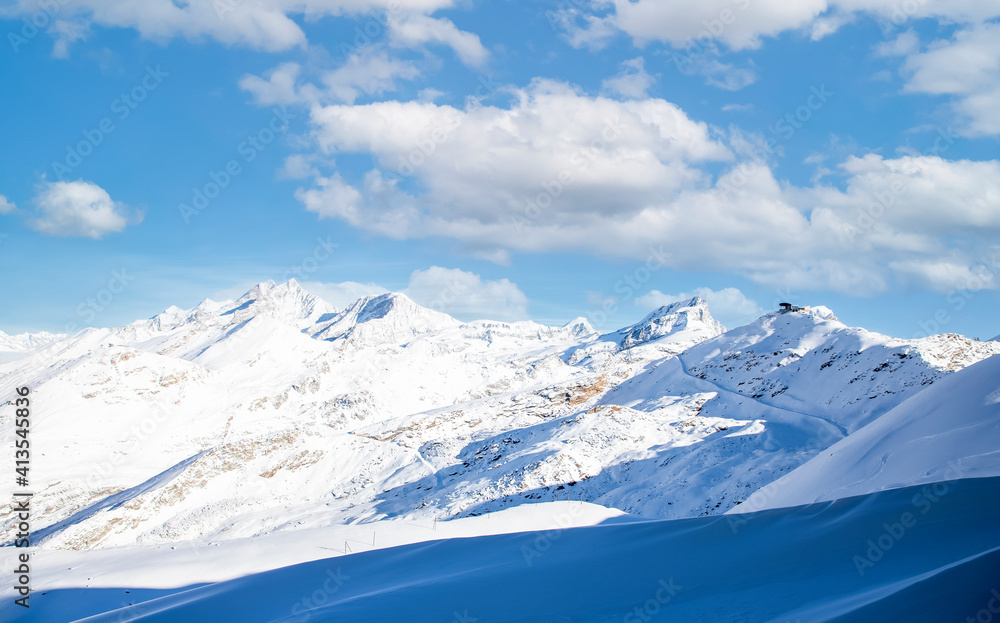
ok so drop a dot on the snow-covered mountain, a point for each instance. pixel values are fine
(27, 341)
(684, 321)
(277, 412)
(384, 319)
(948, 432)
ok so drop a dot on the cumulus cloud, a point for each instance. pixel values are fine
(262, 24)
(729, 305)
(557, 170)
(413, 30)
(966, 67)
(277, 87)
(6, 206)
(742, 24)
(466, 295)
(370, 72)
(483, 165)
(739, 24)
(81, 209)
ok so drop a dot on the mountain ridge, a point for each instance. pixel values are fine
(407, 412)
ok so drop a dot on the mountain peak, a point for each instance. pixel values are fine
(381, 318)
(579, 326)
(287, 302)
(257, 291)
(685, 320)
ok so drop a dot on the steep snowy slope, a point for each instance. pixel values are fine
(853, 560)
(384, 319)
(684, 321)
(810, 361)
(665, 331)
(950, 431)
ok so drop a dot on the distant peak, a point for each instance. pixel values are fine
(689, 317)
(380, 305)
(257, 291)
(675, 307)
(580, 324)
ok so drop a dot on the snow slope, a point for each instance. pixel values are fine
(949, 431)
(277, 413)
(818, 563)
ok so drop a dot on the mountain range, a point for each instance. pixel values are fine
(278, 414)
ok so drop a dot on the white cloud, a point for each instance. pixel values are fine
(482, 165)
(79, 209)
(297, 167)
(6, 207)
(65, 33)
(725, 75)
(729, 305)
(278, 87)
(466, 295)
(741, 24)
(341, 295)
(966, 67)
(632, 81)
(944, 275)
(332, 199)
(906, 43)
(737, 23)
(367, 73)
(528, 178)
(260, 24)
(414, 30)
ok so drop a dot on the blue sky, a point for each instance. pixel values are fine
(533, 159)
